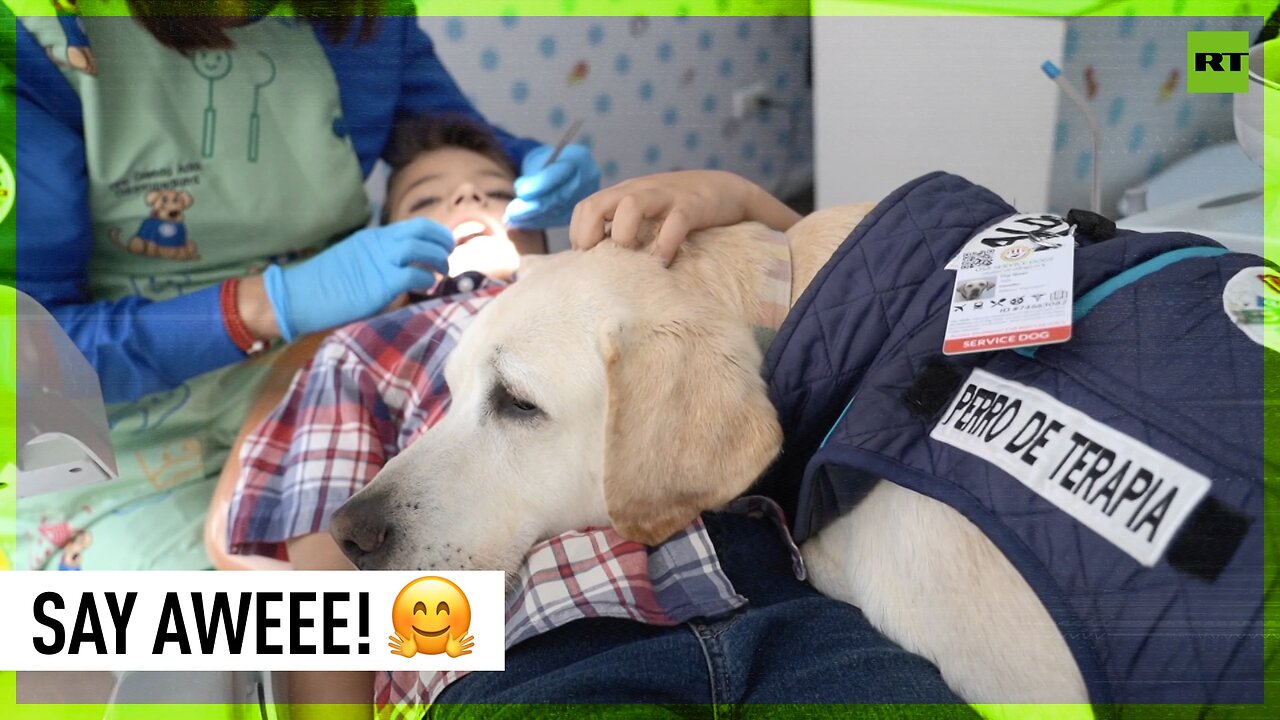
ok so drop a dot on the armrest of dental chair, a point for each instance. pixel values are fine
(61, 432)
(274, 387)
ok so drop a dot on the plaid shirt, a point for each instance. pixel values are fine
(369, 391)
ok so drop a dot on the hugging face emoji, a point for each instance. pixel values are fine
(431, 616)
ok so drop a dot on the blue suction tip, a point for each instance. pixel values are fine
(1050, 69)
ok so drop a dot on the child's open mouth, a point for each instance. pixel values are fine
(469, 229)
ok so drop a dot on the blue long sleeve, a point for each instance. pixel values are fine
(136, 346)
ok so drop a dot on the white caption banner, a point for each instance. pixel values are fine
(221, 621)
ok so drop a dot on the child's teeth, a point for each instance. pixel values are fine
(469, 228)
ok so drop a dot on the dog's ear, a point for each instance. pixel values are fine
(151, 198)
(186, 199)
(689, 425)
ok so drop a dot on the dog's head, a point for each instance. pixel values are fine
(599, 390)
(169, 204)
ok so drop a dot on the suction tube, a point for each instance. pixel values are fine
(1055, 74)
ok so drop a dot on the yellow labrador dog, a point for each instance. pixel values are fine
(605, 388)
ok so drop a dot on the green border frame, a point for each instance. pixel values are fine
(1208, 8)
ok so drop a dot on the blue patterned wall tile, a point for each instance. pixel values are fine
(1155, 164)
(1127, 24)
(455, 29)
(1136, 138)
(1132, 71)
(1084, 161)
(654, 91)
(1115, 111)
(1148, 57)
(1183, 118)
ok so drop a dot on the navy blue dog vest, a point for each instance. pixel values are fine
(1120, 472)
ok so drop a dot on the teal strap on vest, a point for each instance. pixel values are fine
(1090, 300)
(839, 420)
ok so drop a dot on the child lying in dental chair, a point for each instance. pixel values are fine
(448, 170)
(445, 169)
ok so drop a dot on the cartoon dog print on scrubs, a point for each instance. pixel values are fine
(164, 234)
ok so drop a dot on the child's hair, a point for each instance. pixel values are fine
(419, 134)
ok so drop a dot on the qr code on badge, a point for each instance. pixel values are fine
(976, 259)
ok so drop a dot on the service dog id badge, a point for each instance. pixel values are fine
(1013, 286)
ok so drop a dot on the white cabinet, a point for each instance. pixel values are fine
(897, 97)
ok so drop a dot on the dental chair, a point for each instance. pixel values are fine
(64, 442)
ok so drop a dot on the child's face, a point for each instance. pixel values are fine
(467, 193)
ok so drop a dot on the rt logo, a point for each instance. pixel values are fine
(1218, 62)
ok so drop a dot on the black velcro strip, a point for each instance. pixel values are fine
(1208, 539)
(1093, 225)
(934, 386)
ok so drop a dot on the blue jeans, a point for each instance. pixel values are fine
(788, 645)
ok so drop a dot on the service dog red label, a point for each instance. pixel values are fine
(1013, 286)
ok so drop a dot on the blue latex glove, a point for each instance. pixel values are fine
(545, 196)
(357, 277)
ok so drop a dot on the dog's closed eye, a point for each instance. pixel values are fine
(509, 405)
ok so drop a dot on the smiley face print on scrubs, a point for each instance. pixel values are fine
(431, 616)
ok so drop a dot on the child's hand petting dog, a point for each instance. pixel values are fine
(680, 203)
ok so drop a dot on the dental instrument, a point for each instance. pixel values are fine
(1055, 74)
(564, 141)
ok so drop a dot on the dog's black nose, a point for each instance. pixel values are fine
(360, 535)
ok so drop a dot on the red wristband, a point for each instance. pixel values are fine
(236, 329)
